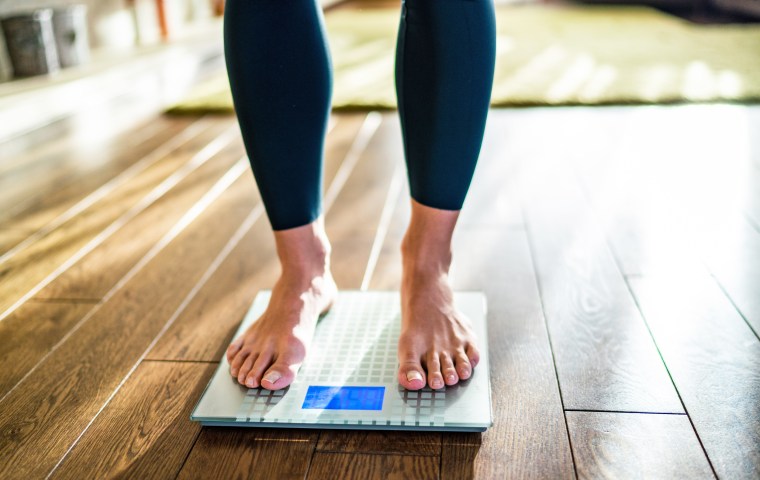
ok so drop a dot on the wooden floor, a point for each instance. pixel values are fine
(619, 249)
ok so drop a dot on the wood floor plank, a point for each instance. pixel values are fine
(604, 355)
(250, 453)
(387, 272)
(205, 328)
(634, 445)
(10, 238)
(373, 466)
(28, 150)
(460, 462)
(40, 189)
(144, 432)
(735, 264)
(493, 200)
(46, 412)
(666, 210)
(99, 272)
(23, 273)
(714, 359)
(351, 223)
(380, 442)
(529, 437)
(95, 274)
(29, 333)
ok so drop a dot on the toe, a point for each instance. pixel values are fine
(433, 364)
(411, 375)
(246, 367)
(278, 376)
(447, 369)
(473, 355)
(262, 363)
(464, 369)
(234, 348)
(237, 362)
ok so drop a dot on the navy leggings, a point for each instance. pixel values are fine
(280, 73)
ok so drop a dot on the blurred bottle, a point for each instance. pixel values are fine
(70, 28)
(30, 40)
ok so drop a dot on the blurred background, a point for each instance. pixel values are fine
(613, 223)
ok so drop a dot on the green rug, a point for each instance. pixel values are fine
(584, 55)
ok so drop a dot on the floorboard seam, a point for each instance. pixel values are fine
(157, 154)
(389, 454)
(618, 265)
(731, 300)
(212, 195)
(534, 266)
(175, 231)
(622, 411)
(88, 301)
(680, 399)
(170, 360)
(189, 451)
(200, 158)
(440, 459)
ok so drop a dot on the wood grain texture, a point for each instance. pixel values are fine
(529, 437)
(365, 467)
(205, 328)
(353, 220)
(95, 274)
(380, 442)
(251, 453)
(145, 431)
(38, 187)
(29, 333)
(714, 359)
(36, 327)
(633, 445)
(604, 356)
(493, 198)
(460, 461)
(681, 199)
(43, 415)
(34, 264)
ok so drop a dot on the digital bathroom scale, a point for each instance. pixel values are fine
(348, 379)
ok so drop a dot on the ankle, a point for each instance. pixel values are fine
(426, 246)
(425, 257)
(304, 251)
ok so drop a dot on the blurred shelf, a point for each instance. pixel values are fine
(156, 75)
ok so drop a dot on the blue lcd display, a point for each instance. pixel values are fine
(344, 398)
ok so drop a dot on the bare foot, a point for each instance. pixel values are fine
(271, 351)
(437, 345)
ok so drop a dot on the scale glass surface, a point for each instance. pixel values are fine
(348, 379)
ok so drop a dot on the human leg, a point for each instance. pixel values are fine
(280, 74)
(444, 73)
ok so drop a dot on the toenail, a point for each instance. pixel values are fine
(437, 383)
(272, 377)
(413, 375)
(250, 382)
(452, 378)
(234, 372)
